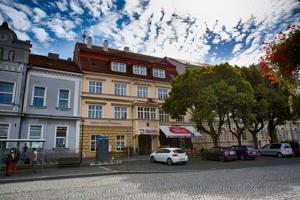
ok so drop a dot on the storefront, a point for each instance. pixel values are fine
(147, 140)
(178, 136)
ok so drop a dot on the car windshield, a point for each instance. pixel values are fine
(178, 151)
(251, 148)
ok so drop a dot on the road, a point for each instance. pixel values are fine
(270, 182)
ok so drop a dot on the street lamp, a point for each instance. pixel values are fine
(81, 142)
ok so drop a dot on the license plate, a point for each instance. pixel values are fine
(231, 152)
(254, 153)
(182, 159)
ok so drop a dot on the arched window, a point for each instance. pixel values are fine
(11, 55)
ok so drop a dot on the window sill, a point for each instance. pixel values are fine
(63, 109)
(38, 107)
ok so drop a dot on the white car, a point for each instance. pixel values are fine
(169, 156)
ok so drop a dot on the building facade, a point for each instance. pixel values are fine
(122, 96)
(14, 55)
(52, 104)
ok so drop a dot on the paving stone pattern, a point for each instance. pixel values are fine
(272, 182)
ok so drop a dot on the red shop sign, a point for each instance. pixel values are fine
(179, 130)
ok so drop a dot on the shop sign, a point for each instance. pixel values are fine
(148, 131)
(179, 130)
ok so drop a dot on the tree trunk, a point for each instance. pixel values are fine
(239, 140)
(255, 141)
(216, 140)
(272, 131)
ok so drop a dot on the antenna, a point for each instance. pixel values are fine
(83, 35)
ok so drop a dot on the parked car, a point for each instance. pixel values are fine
(295, 147)
(245, 152)
(277, 149)
(169, 156)
(220, 153)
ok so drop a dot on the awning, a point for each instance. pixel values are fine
(180, 131)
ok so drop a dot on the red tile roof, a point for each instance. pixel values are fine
(55, 64)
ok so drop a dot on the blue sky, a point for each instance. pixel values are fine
(206, 31)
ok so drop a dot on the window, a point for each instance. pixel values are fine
(120, 142)
(275, 146)
(6, 92)
(95, 111)
(159, 73)
(163, 116)
(140, 70)
(95, 87)
(120, 112)
(142, 91)
(38, 97)
(35, 132)
(146, 113)
(120, 89)
(63, 99)
(4, 131)
(118, 67)
(162, 93)
(180, 118)
(244, 136)
(93, 142)
(61, 137)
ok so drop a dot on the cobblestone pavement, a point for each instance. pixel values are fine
(272, 182)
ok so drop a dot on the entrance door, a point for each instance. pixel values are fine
(145, 144)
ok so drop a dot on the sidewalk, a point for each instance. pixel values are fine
(52, 171)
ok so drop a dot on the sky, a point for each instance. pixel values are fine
(205, 31)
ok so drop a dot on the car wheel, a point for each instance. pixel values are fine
(242, 157)
(152, 159)
(169, 162)
(222, 159)
(184, 163)
(253, 158)
(279, 155)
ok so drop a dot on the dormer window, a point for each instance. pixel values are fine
(159, 73)
(140, 70)
(118, 67)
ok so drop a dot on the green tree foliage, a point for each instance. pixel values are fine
(209, 94)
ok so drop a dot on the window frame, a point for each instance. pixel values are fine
(162, 97)
(8, 131)
(95, 144)
(144, 90)
(119, 89)
(116, 143)
(138, 69)
(67, 135)
(45, 96)
(13, 92)
(158, 73)
(146, 113)
(95, 87)
(69, 98)
(166, 116)
(120, 112)
(118, 67)
(28, 134)
(94, 115)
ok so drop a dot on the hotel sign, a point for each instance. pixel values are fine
(148, 131)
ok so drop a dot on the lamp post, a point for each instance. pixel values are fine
(81, 142)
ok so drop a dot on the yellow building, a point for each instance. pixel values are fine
(122, 96)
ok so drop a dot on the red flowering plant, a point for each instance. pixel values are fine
(281, 60)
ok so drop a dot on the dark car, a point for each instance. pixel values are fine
(220, 153)
(245, 152)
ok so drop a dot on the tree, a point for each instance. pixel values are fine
(259, 109)
(281, 60)
(208, 94)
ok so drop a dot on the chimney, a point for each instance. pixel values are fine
(105, 45)
(53, 56)
(89, 42)
(126, 49)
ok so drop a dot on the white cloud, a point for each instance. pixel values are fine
(62, 5)
(22, 35)
(237, 48)
(38, 14)
(74, 4)
(19, 19)
(41, 34)
(62, 29)
(98, 7)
